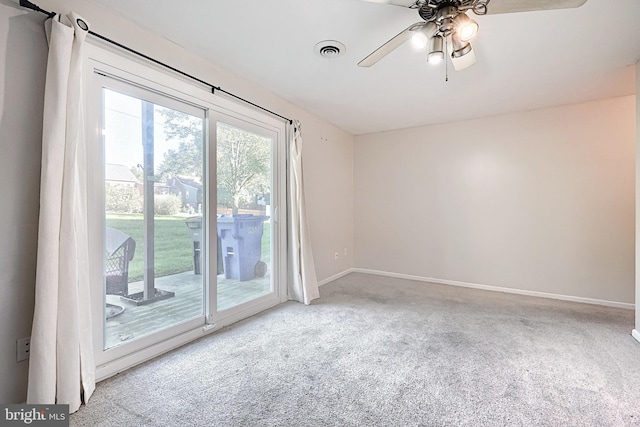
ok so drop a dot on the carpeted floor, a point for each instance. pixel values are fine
(376, 351)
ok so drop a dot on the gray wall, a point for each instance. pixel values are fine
(23, 52)
(539, 201)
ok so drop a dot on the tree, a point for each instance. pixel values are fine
(137, 172)
(186, 160)
(243, 158)
(243, 164)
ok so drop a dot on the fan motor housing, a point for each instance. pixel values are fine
(430, 10)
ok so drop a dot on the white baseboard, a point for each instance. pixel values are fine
(636, 334)
(335, 277)
(583, 300)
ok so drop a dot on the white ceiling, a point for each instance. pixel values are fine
(525, 60)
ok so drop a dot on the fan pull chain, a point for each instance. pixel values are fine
(446, 63)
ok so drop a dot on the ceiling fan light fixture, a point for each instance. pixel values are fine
(465, 27)
(419, 40)
(460, 48)
(436, 50)
(464, 62)
(423, 34)
(452, 22)
(434, 58)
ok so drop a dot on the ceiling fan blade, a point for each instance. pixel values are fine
(391, 45)
(465, 61)
(510, 6)
(403, 3)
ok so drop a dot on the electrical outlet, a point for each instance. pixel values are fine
(345, 252)
(335, 255)
(22, 349)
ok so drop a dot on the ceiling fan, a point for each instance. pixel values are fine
(446, 27)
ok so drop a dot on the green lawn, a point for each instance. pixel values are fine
(172, 243)
(173, 253)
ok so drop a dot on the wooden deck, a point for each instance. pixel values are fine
(188, 302)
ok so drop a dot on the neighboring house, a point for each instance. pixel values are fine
(160, 187)
(120, 175)
(189, 190)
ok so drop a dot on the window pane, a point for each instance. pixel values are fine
(153, 209)
(244, 216)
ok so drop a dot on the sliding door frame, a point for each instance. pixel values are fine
(278, 215)
(103, 63)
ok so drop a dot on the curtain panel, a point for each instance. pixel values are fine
(61, 366)
(303, 283)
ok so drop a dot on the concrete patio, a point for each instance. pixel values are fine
(188, 302)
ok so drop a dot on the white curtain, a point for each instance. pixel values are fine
(61, 366)
(303, 283)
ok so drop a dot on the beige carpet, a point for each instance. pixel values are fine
(376, 351)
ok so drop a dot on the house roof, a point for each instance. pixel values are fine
(119, 173)
(188, 181)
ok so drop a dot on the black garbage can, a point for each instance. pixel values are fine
(240, 236)
(195, 231)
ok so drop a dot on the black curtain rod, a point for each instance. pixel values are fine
(27, 4)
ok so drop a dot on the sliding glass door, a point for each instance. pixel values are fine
(184, 213)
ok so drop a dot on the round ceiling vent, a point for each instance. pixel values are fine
(329, 49)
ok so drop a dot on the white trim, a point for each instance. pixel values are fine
(135, 358)
(245, 313)
(583, 300)
(636, 334)
(121, 364)
(335, 277)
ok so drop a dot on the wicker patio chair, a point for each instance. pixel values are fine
(120, 249)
